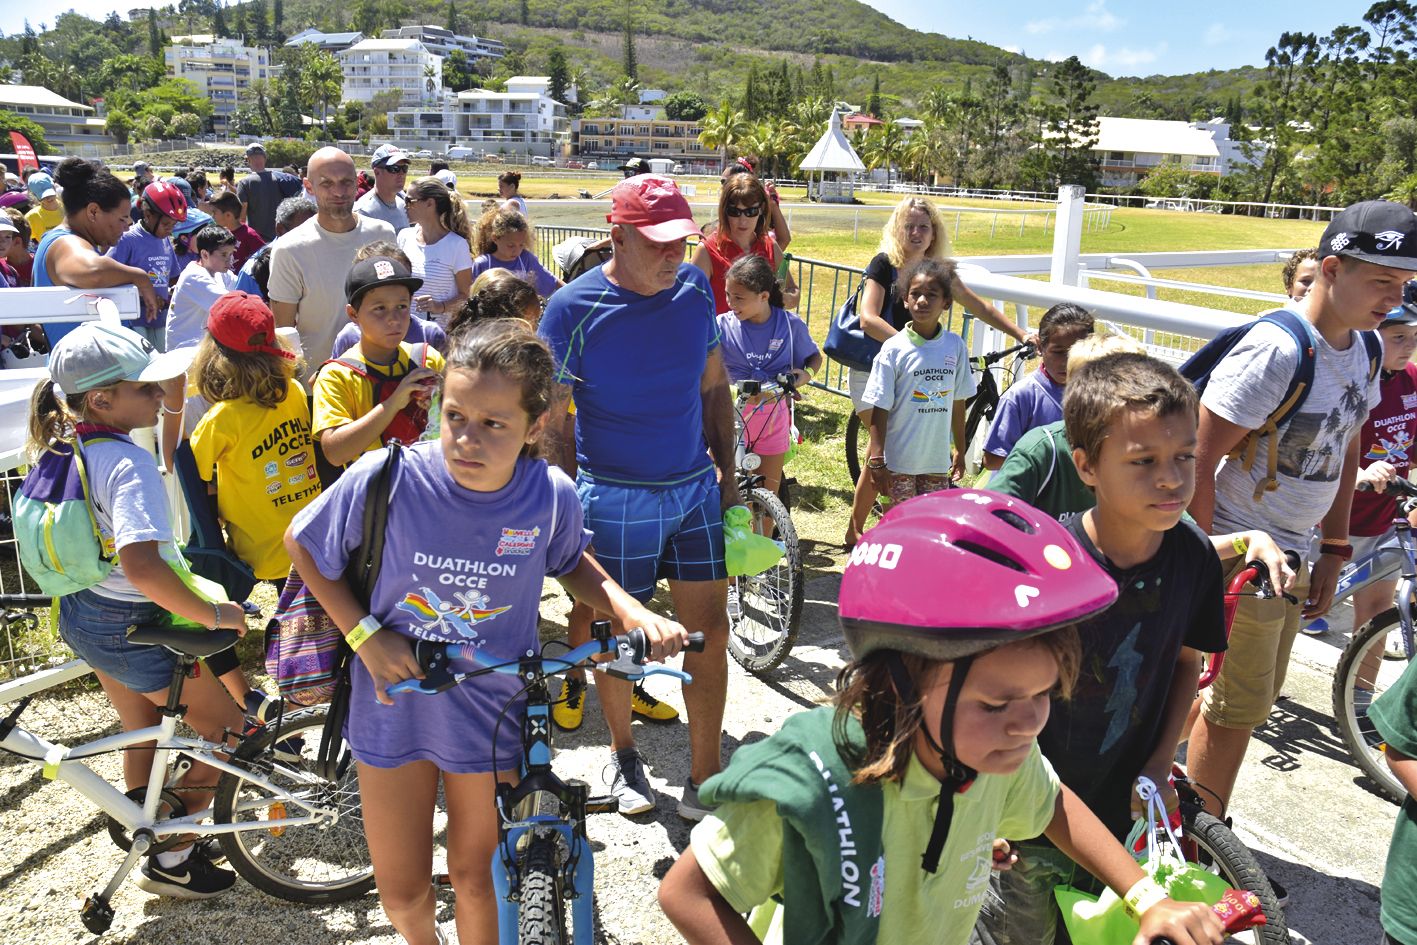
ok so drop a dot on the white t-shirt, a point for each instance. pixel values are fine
(130, 506)
(193, 296)
(518, 204)
(1246, 388)
(308, 267)
(437, 266)
(918, 381)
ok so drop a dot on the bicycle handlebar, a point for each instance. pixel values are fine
(783, 383)
(24, 601)
(1028, 351)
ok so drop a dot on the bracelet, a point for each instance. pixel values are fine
(1238, 543)
(1142, 896)
(216, 609)
(1343, 550)
(175, 413)
(362, 631)
(1339, 542)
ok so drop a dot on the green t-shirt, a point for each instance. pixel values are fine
(1395, 715)
(739, 848)
(1040, 471)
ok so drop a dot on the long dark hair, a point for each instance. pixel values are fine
(85, 182)
(755, 274)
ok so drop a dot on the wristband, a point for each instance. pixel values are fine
(216, 609)
(1142, 896)
(1238, 543)
(167, 409)
(1342, 550)
(362, 631)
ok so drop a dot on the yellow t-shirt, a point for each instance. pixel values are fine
(263, 463)
(41, 221)
(343, 396)
(739, 848)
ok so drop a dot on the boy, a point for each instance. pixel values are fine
(147, 245)
(1132, 422)
(49, 213)
(420, 330)
(1395, 716)
(226, 212)
(378, 390)
(204, 281)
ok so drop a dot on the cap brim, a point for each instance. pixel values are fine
(412, 283)
(1406, 263)
(49, 192)
(669, 230)
(166, 366)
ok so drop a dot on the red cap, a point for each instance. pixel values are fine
(654, 206)
(242, 322)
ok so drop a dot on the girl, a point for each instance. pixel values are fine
(760, 341)
(499, 293)
(110, 378)
(436, 244)
(929, 755)
(1038, 400)
(913, 232)
(502, 238)
(509, 192)
(1299, 274)
(742, 229)
(475, 522)
(918, 386)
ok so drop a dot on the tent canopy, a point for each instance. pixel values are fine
(832, 152)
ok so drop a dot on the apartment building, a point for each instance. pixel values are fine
(67, 125)
(618, 138)
(372, 66)
(333, 43)
(523, 119)
(222, 69)
(1128, 149)
(442, 41)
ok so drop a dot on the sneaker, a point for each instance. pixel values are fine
(262, 709)
(289, 750)
(690, 807)
(735, 606)
(1281, 895)
(1315, 627)
(569, 712)
(193, 878)
(629, 784)
(648, 707)
(210, 847)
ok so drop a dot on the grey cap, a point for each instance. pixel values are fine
(7, 227)
(389, 154)
(255, 147)
(142, 167)
(97, 354)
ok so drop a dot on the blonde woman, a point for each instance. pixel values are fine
(438, 246)
(913, 232)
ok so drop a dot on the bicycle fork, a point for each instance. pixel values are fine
(582, 872)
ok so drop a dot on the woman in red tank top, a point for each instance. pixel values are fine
(742, 230)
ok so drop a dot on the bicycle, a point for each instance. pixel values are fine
(544, 858)
(1380, 651)
(764, 610)
(284, 828)
(979, 409)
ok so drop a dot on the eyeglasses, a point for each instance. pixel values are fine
(749, 212)
(396, 169)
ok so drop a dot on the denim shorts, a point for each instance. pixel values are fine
(643, 534)
(96, 629)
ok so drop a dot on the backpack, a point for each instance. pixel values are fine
(1202, 364)
(206, 551)
(407, 426)
(55, 527)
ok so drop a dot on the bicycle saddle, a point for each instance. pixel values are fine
(188, 642)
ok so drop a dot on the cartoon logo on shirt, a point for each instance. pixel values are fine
(775, 345)
(272, 469)
(1391, 451)
(930, 396)
(517, 541)
(435, 614)
(273, 487)
(1409, 401)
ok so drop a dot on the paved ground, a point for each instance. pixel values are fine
(1299, 805)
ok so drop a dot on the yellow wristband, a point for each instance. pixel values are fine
(1238, 543)
(1142, 896)
(362, 631)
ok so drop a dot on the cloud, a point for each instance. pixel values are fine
(1095, 17)
(1055, 56)
(1012, 49)
(1126, 57)
(1217, 34)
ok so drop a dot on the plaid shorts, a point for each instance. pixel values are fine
(644, 534)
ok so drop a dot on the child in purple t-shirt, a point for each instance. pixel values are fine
(1037, 400)
(475, 522)
(761, 340)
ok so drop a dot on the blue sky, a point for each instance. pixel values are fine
(1120, 37)
(1127, 37)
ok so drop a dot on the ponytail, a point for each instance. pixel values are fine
(51, 419)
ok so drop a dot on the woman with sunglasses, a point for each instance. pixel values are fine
(437, 247)
(742, 231)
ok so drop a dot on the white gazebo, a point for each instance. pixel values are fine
(832, 154)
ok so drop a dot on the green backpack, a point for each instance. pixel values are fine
(60, 545)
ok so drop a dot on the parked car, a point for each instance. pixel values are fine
(593, 166)
(541, 161)
(677, 169)
(575, 165)
(425, 153)
(492, 158)
(461, 154)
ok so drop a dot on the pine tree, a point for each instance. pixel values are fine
(238, 21)
(632, 65)
(452, 17)
(154, 35)
(873, 106)
(558, 73)
(219, 21)
(278, 21)
(525, 14)
(752, 95)
(261, 25)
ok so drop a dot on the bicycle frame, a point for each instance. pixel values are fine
(745, 459)
(1383, 564)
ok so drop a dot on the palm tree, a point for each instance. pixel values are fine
(320, 82)
(884, 147)
(920, 156)
(724, 128)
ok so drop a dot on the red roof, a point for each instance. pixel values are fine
(861, 118)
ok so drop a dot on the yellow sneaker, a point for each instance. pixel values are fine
(651, 709)
(569, 711)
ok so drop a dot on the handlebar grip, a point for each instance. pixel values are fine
(1365, 487)
(695, 644)
(639, 644)
(25, 600)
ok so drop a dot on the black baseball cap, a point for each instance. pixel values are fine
(374, 272)
(1374, 231)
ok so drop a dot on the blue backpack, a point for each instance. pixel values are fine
(61, 548)
(1202, 364)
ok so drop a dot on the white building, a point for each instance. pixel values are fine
(67, 125)
(524, 119)
(378, 65)
(1127, 149)
(327, 42)
(221, 69)
(441, 42)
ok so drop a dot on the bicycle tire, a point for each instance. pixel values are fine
(856, 443)
(541, 915)
(1368, 756)
(769, 605)
(308, 863)
(1223, 853)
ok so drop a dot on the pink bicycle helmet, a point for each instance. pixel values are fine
(166, 199)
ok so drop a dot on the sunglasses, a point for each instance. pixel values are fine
(396, 169)
(749, 212)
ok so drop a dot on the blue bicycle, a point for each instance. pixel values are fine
(543, 859)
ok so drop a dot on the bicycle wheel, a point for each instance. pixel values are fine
(309, 863)
(541, 916)
(858, 440)
(765, 609)
(1372, 661)
(1222, 853)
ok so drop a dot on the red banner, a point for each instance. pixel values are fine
(24, 151)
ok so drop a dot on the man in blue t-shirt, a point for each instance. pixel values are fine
(637, 345)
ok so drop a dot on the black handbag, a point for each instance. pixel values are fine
(847, 343)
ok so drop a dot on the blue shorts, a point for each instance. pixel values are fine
(96, 629)
(644, 534)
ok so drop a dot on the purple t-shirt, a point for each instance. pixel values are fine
(458, 566)
(1035, 401)
(140, 249)
(761, 352)
(420, 331)
(526, 265)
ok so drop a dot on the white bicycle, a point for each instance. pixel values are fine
(288, 824)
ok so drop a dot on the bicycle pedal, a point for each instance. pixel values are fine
(96, 914)
(602, 804)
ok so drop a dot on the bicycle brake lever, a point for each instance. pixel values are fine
(625, 668)
(430, 685)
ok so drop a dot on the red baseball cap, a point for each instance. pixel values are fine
(242, 322)
(654, 206)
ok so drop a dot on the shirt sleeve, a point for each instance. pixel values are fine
(119, 251)
(880, 271)
(965, 384)
(1032, 798)
(331, 527)
(335, 400)
(137, 503)
(1020, 476)
(553, 331)
(1249, 383)
(739, 848)
(1394, 714)
(880, 386)
(803, 347)
(459, 255)
(243, 190)
(1207, 631)
(570, 538)
(286, 283)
